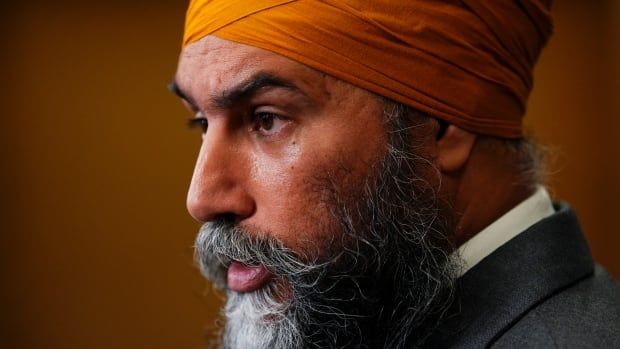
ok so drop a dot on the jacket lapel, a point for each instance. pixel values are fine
(497, 292)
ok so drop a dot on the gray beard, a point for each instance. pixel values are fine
(384, 280)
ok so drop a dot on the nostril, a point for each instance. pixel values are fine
(226, 218)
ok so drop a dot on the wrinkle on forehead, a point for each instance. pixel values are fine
(211, 65)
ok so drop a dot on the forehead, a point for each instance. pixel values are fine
(213, 64)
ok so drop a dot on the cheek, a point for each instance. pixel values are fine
(288, 204)
(291, 190)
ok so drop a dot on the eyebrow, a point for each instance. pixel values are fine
(240, 92)
(174, 88)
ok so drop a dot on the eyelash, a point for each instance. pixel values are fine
(255, 119)
(198, 122)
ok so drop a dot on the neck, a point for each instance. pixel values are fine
(491, 183)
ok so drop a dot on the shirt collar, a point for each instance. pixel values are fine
(533, 209)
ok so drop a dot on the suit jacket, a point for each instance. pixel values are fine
(539, 290)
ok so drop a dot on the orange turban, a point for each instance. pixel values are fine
(468, 62)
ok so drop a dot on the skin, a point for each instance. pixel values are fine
(260, 172)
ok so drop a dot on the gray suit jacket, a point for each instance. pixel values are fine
(540, 290)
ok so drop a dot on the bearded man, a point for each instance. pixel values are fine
(364, 180)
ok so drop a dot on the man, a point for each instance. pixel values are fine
(364, 180)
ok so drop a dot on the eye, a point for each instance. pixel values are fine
(199, 122)
(267, 123)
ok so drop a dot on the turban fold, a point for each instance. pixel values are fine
(468, 62)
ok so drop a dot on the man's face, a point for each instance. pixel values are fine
(264, 146)
(318, 223)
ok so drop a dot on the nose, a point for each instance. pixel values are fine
(218, 187)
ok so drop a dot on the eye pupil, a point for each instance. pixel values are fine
(266, 121)
(204, 125)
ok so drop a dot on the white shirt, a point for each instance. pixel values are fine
(514, 222)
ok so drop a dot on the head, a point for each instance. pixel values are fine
(327, 186)
(331, 213)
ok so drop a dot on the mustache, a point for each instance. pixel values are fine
(221, 241)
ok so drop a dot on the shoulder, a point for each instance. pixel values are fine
(585, 314)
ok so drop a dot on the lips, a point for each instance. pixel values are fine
(247, 278)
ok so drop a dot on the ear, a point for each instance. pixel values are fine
(454, 148)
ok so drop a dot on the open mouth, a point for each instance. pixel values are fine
(247, 278)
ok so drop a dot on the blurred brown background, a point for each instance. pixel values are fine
(95, 243)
